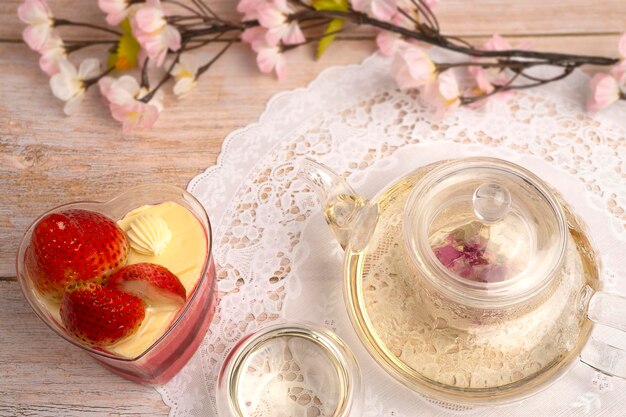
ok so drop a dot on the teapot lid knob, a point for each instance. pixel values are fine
(491, 202)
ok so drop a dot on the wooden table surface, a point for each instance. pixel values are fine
(47, 159)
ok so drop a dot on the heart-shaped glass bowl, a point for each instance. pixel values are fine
(165, 357)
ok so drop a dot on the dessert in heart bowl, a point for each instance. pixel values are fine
(131, 281)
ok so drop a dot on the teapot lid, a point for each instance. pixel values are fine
(487, 231)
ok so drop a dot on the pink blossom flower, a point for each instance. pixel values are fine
(496, 43)
(116, 10)
(38, 16)
(483, 82)
(378, 9)
(123, 97)
(153, 32)
(274, 17)
(604, 92)
(136, 114)
(52, 53)
(254, 36)
(448, 89)
(487, 79)
(388, 42)
(443, 93)
(412, 67)
(269, 57)
(619, 72)
(69, 83)
(250, 9)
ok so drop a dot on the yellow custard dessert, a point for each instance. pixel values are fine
(169, 235)
(184, 255)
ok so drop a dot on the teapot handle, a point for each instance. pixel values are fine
(609, 310)
(351, 217)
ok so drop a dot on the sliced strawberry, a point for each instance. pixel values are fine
(153, 283)
(72, 246)
(100, 315)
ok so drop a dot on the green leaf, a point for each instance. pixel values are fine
(329, 35)
(125, 55)
(334, 5)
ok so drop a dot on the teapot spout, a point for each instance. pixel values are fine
(351, 217)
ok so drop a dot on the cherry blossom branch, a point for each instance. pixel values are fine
(558, 59)
(274, 27)
(510, 87)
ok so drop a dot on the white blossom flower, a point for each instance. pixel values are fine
(69, 83)
(185, 73)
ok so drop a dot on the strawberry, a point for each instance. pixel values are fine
(72, 246)
(100, 315)
(153, 283)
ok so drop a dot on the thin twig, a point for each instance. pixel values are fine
(302, 4)
(203, 6)
(408, 16)
(206, 66)
(461, 40)
(206, 42)
(512, 64)
(310, 40)
(315, 25)
(509, 86)
(145, 83)
(184, 6)
(91, 81)
(190, 34)
(65, 22)
(428, 13)
(75, 46)
(167, 76)
(174, 19)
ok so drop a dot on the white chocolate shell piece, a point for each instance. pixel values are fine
(149, 235)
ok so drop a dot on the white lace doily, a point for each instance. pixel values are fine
(275, 257)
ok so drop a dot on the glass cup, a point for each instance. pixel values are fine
(170, 352)
(290, 369)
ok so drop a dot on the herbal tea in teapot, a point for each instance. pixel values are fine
(468, 280)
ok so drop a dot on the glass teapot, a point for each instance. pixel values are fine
(470, 280)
